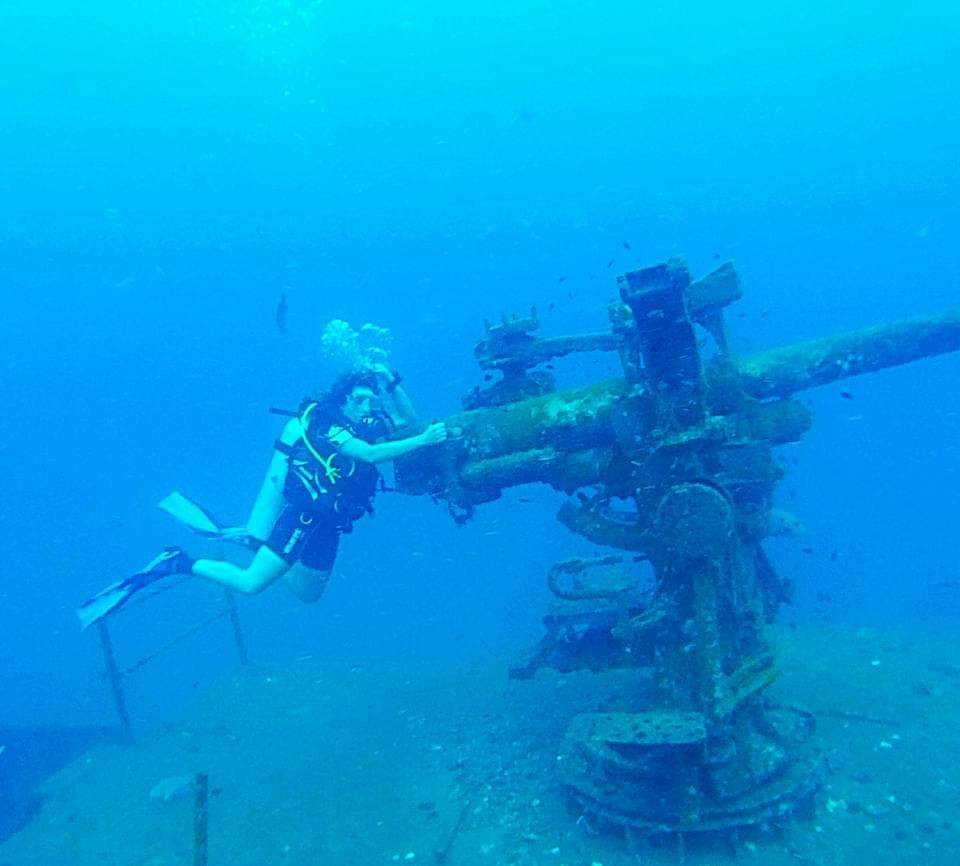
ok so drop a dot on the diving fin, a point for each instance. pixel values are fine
(190, 514)
(172, 561)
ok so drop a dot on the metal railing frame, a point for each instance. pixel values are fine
(115, 675)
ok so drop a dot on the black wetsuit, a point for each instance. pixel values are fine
(325, 490)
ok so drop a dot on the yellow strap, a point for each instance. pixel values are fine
(329, 469)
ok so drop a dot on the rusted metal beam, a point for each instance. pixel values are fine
(784, 371)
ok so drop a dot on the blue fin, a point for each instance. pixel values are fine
(190, 514)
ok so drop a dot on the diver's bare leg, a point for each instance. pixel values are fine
(307, 584)
(265, 568)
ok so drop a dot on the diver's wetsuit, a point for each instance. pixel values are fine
(326, 491)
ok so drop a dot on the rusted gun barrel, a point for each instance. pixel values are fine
(563, 438)
(781, 372)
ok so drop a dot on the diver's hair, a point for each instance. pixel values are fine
(335, 396)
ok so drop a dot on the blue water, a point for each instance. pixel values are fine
(168, 170)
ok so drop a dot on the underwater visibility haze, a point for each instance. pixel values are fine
(194, 191)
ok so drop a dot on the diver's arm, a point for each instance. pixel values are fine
(381, 452)
(270, 500)
(402, 414)
(406, 414)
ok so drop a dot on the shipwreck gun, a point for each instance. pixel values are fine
(668, 398)
(673, 461)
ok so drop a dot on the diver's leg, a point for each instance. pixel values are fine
(265, 568)
(307, 584)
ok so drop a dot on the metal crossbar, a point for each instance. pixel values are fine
(180, 638)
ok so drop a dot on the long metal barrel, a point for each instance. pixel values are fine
(527, 432)
(784, 371)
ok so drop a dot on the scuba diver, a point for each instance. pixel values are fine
(321, 479)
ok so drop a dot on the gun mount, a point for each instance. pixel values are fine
(674, 462)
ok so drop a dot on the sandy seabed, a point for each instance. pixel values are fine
(322, 765)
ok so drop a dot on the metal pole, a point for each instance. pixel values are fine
(235, 623)
(113, 676)
(200, 820)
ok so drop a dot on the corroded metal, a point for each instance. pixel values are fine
(672, 462)
(601, 577)
(819, 362)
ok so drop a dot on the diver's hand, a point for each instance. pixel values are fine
(378, 368)
(381, 370)
(237, 535)
(389, 378)
(434, 434)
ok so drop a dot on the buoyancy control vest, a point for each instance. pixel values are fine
(323, 480)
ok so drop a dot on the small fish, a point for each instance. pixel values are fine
(610, 263)
(809, 551)
(834, 555)
(716, 256)
(524, 499)
(562, 280)
(626, 246)
(549, 366)
(282, 313)
(552, 306)
(784, 523)
(846, 395)
(488, 377)
(569, 296)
